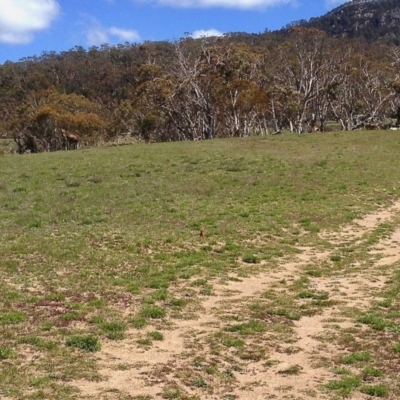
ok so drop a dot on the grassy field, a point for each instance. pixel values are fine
(97, 243)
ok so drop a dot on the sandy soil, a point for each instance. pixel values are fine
(131, 371)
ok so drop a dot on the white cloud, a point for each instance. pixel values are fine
(206, 33)
(240, 4)
(20, 19)
(97, 34)
(124, 34)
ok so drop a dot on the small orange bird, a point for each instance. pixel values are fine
(201, 234)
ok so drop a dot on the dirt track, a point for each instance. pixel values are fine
(130, 370)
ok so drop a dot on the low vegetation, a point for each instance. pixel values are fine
(119, 253)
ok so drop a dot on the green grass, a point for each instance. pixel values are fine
(99, 241)
(12, 317)
(6, 353)
(375, 390)
(114, 330)
(396, 347)
(345, 385)
(371, 372)
(144, 341)
(376, 322)
(250, 259)
(88, 343)
(138, 322)
(356, 357)
(155, 335)
(153, 312)
(292, 370)
(248, 328)
(38, 342)
(233, 342)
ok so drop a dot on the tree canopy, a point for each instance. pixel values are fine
(237, 85)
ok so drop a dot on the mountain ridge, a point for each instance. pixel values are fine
(373, 20)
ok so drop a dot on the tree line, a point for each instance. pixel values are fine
(238, 85)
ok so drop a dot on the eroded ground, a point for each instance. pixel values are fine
(282, 333)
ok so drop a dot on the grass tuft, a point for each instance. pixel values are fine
(345, 385)
(12, 317)
(113, 330)
(248, 328)
(356, 357)
(87, 343)
(155, 335)
(375, 390)
(6, 353)
(152, 311)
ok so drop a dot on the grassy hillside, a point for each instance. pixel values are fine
(99, 242)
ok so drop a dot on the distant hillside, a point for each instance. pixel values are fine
(297, 79)
(370, 19)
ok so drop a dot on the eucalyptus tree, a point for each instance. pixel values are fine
(44, 114)
(242, 100)
(377, 90)
(363, 90)
(193, 104)
(150, 115)
(344, 93)
(303, 62)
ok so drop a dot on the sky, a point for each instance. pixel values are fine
(30, 27)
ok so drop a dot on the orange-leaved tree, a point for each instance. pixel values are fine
(44, 116)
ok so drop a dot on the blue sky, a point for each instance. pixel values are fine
(30, 27)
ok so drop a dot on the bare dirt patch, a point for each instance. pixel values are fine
(191, 361)
(363, 226)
